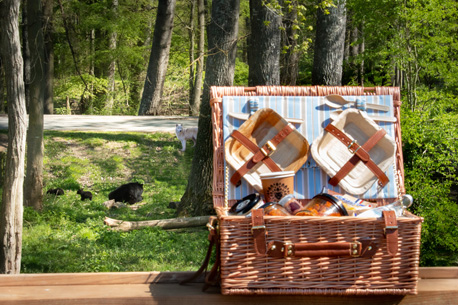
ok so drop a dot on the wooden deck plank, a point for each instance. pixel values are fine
(161, 288)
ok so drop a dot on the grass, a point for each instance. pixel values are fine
(69, 234)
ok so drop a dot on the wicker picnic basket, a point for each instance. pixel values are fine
(312, 262)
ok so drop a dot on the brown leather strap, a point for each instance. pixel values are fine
(212, 278)
(237, 176)
(258, 229)
(360, 154)
(362, 248)
(391, 232)
(259, 154)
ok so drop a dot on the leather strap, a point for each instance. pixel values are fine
(258, 230)
(237, 176)
(391, 232)
(362, 248)
(259, 154)
(361, 153)
(213, 277)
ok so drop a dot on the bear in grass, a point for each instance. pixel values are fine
(84, 194)
(130, 193)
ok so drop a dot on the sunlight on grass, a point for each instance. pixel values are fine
(69, 234)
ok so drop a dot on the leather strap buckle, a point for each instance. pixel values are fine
(271, 147)
(350, 147)
(257, 228)
(389, 228)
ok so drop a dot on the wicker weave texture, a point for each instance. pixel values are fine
(243, 272)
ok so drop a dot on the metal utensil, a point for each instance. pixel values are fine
(336, 101)
(378, 118)
(245, 116)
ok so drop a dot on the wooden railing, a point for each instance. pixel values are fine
(438, 285)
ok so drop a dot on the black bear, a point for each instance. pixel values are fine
(84, 194)
(130, 193)
(58, 191)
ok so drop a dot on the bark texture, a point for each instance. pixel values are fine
(264, 45)
(222, 45)
(195, 101)
(33, 184)
(11, 208)
(329, 46)
(48, 29)
(289, 58)
(159, 58)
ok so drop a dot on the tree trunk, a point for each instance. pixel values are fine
(159, 58)
(48, 29)
(33, 191)
(195, 101)
(11, 208)
(2, 88)
(329, 46)
(289, 59)
(112, 66)
(25, 52)
(222, 45)
(139, 73)
(264, 45)
(191, 36)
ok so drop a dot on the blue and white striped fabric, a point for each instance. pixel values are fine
(310, 179)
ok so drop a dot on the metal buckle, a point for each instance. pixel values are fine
(272, 148)
(389, 228)
(257, 228)
(351, 144)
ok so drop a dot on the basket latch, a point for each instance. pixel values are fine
(258, 230)
(391, 232)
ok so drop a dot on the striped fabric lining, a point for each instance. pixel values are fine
(310, 179)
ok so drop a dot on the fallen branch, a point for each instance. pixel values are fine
(113, 204)
(174, 223)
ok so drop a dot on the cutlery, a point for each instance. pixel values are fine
(245, 116)
(378, 118)
(336, 101)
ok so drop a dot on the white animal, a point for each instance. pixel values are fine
(184, 134)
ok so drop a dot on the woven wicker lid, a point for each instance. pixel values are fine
(331, 154)
(262, 126)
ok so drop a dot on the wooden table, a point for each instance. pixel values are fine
(438, 285)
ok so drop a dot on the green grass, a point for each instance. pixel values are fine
(69, 234)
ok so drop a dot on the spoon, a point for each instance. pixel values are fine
(336, 101)
(391, 119)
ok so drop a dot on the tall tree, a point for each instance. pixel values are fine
(197, 88)
(329, 45)
(191, 35)
(158, 61)
(48, 30)
(11, 212)
(264, 44)
(289, 58)
(33, 191)
(222, 46)
(112, 65)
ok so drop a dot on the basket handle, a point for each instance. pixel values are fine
(364, 247)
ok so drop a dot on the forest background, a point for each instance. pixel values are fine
(100, 52)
